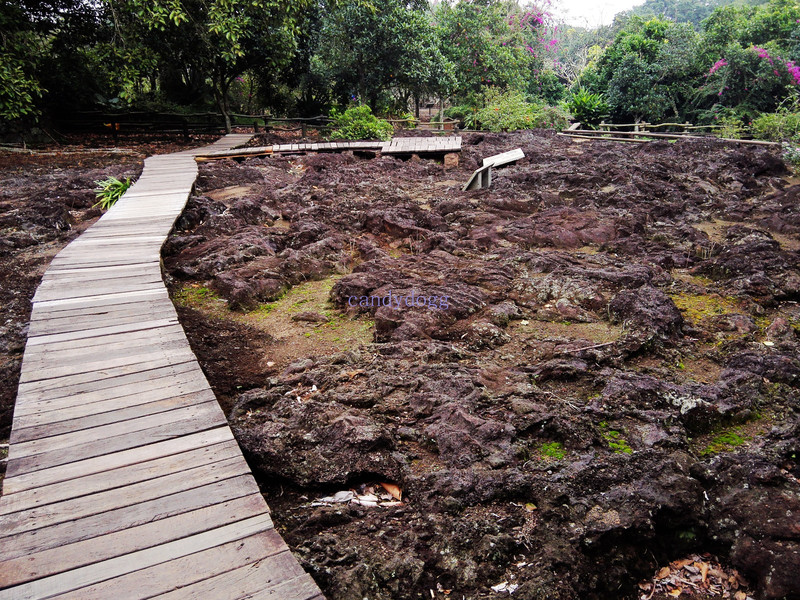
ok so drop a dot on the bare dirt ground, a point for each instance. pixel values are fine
(598, 398)
(46, 200)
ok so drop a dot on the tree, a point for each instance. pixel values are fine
(649, 70)
(368, 51)
(491, 43)
(219, 38)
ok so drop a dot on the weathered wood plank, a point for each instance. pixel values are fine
(96, 435)
(36, 395)
(100, 503)
(207, 458)
(73, 406)
(202, 419)
(30, 541)
(15, 571)
(184, 571)
(247, 581)
(121, 565)
(93, 417)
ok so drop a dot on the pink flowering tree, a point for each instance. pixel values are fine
(747, 81)
(492, 43)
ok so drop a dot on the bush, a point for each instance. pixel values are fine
(791, 153)
(511, 110)
(110, 190)
(776, 126)
(587, 108)
(358, 123)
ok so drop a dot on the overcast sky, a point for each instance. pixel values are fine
(591, 13)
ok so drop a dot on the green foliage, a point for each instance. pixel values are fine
(554, 450)
(778, 126)
(614, 439)
(725, 441)
(18, 90)
(510, 110)
(791, 154)
(110, 190)
(491, 43)
(358, 123)
(548, 86)
(588, 108)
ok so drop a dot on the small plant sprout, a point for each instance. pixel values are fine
(110, 190)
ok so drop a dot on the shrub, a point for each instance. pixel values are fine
(776, 126)
(791, 153)
(358, 123)
(511, 110)
(110, 190)
(588, 108)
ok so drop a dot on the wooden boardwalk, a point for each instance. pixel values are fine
(124, 480)
(398, 145)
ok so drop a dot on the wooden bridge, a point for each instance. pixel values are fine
(124, 480)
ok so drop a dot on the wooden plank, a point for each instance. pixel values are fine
(206, 457)
(206, 416)
(48, 587)
(72, 556)
(91, 418)
(145, 510)
(135, 314)
(184, 571)
(67, 511)
(99, 389)
(99, 464)
(247, 581)
(74, 406)
(504, 158)
(101, 331)
(114, 430)
(301, 587)
(59, 383)
(45, 354)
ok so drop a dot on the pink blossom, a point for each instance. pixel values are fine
(717, 66)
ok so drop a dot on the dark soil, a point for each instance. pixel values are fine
(608, 380)
(46, 199)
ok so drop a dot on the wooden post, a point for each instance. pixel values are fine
(304, 127)
(255, 126)
(185, 130)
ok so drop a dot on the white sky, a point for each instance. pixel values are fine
(590, 13)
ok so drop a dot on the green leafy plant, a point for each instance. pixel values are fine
(110, 190)
(511, 110)
(358, 123)
(588, 108)
(776, 126)
(791, 153)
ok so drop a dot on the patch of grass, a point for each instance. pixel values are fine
(725, 441)
(697, 307)
(614, 439)
(554, 450)
(196, 296)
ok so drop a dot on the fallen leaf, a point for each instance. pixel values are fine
(663, 572)
(740, 595)
(676, 592)
(679, 564)
(393, 490)
(703, 570)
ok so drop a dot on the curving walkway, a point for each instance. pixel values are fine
(124, 480)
